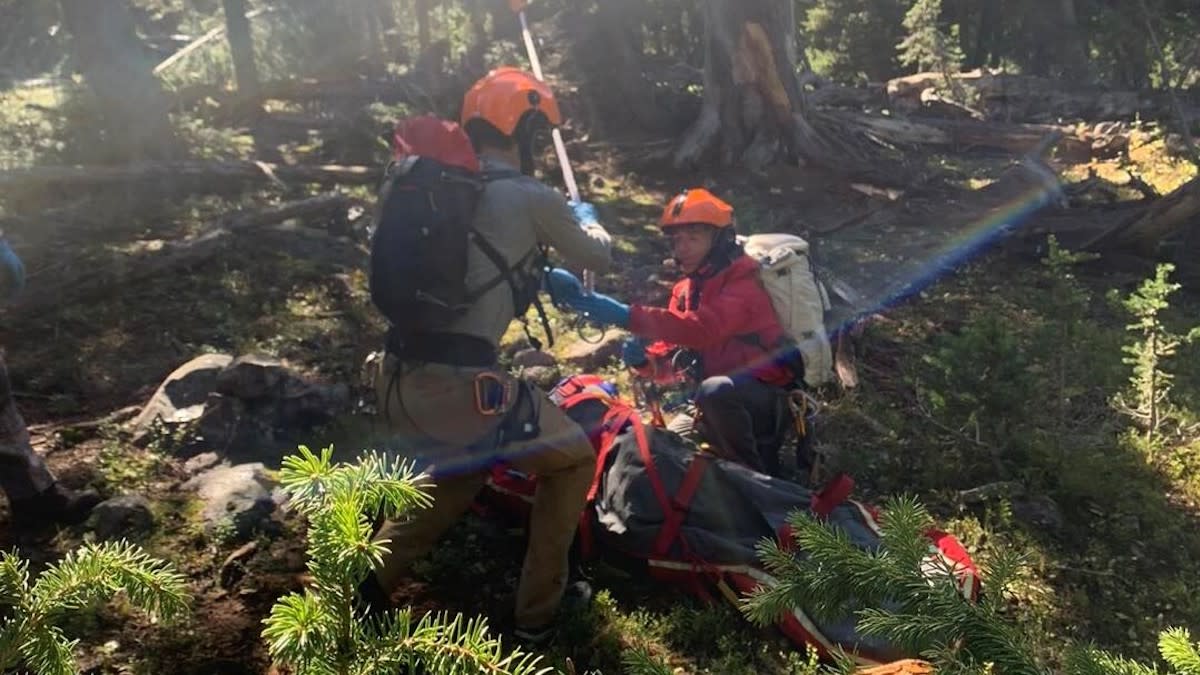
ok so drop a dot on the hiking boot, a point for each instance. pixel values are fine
(54, 505)
(536, 637)
(577, 597)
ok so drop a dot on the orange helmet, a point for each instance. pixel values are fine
(505, 96)
(696, 206)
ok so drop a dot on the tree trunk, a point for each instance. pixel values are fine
(130, 99)
(477, 53)
(754, 113)
(615, 54)
(385, 13)
(1076, 64)
(421, 7)
(241, 46)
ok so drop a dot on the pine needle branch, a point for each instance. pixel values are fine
(440, 644)
(95, 572)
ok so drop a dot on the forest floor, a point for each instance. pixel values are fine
(968, 382)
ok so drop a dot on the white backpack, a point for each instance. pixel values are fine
(799, 298)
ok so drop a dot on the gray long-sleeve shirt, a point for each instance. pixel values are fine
(515, 215)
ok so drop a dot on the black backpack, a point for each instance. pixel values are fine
(423, 218)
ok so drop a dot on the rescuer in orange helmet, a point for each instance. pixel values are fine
(443, 394)
(721, 312)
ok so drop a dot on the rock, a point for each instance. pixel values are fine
(543, 377)
(590, 357)
(1041, 511)
(251, 377)
(530, 358)
(205, 460)
(121, 516)
(237, 497)
(252, 408)
(511, 349)
(181, 396)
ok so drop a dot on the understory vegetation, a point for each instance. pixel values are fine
(1038, 397)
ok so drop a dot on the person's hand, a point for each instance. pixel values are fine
(633, 352)
(584, 212)
(563, 286)
(601, 309)
(12, 271)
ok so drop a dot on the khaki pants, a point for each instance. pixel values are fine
(23, 474)
(432, 410)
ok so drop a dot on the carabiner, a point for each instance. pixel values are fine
(581, 322)
(492, 394)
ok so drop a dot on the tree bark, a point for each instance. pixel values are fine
(241, 46)
(131, 100)
(1076, 63)
(754, 112)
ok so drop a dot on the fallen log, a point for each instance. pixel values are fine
(1161, 218)
(1018, 139)
(92, 279)
(837, 96)
(1009, 96)
(405, 89)
(194, 174)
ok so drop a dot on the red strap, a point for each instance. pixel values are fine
(679, 506)
(824, 502)
(660, 492)
(575, 399)
(787, 537)
(614, 420)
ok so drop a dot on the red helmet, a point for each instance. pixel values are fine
(696, 206)
(505, 96)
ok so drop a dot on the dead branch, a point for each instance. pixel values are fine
(199, 175)
(88, 280)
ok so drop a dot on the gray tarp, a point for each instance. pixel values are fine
(732, 510)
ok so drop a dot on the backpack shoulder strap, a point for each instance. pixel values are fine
(505, 270)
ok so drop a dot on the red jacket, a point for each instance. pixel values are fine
(731, 305)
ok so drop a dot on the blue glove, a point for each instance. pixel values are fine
(12, 272)
(584, 212)
(633, 352)
(601, 309)
(563, 286)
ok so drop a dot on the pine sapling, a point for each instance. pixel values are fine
(321, 631)
(1065, 308)
(89, 575)
(897, 596)
(1150, 382)
(928, 46)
